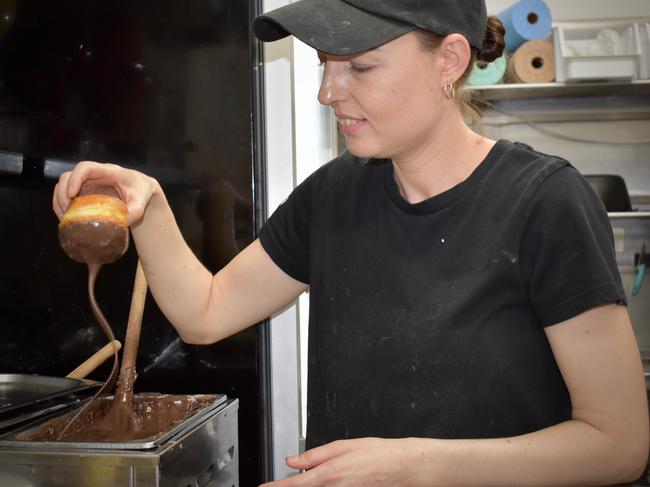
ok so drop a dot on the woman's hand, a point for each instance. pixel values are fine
(356, 463)
(132, 187)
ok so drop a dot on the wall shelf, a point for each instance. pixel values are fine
(521, 91)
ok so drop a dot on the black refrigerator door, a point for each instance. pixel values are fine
(166, 87)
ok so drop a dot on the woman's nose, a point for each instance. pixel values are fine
(330, 88)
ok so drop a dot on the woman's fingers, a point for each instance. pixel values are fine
(90, 175)
(136, 211)
(132, 187)
(60, 199)
(86, 176)
(316, 456)
(70, 183)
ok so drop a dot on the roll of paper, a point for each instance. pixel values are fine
(488, 74)
(534, 62)
(524, 21)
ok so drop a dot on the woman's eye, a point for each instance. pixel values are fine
(360, 68)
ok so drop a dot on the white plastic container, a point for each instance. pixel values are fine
(597, 53)
(644, 37)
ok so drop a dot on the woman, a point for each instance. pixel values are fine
(467, 319)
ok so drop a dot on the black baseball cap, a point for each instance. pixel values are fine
(343, 27)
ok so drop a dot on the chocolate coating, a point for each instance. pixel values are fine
(99, 242)
(156, 413)
(93, 270)
(94, 231)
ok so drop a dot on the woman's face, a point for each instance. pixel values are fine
(388, 101)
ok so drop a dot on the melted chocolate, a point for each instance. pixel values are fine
(156, 413)
(93, 270)
(96, 242)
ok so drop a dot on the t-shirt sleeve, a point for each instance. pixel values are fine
(567, 251)
(285, 235)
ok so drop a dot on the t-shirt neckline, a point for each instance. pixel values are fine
(448, 197)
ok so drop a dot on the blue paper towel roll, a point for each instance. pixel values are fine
(524, 21)
(490, 74)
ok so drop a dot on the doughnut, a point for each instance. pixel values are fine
(94, 229)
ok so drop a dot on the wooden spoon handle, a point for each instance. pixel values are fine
(95, 360)
(138, 298)
(124, 389)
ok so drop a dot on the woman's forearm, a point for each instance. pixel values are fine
(178, 281)
(205, 308)
(567, 454)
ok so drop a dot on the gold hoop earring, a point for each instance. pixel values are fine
(449, 89)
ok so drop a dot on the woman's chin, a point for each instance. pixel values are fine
(361, 150)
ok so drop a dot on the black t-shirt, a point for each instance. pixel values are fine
(428, 319)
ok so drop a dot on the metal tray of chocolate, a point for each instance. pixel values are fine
(21, 390)
(15, 418)
(162, 417)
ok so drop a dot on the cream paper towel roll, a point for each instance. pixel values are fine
(534, 62)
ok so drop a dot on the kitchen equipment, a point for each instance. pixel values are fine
(612, 191)
(202, 451)
(644, 36)
(631, 230)
(25, 414)
(11, 163)
(41, 405)
(21, 390)
(596, 50)
(21, 437)
(640, 271)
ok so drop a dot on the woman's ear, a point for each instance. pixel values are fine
(456, 56)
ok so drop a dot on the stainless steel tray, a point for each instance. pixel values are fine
(12, 439)
(14, 418)
(20, 390)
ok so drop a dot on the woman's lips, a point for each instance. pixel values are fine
(350, 125)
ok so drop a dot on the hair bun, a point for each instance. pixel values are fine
(494, 42)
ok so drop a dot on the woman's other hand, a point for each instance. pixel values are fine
(356, 463)
(134, 188)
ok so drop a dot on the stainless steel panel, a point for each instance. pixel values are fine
(19, 390)
(528, 91)
(209, 457)
(15, 418)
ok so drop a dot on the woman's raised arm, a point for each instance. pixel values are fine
(203, 308)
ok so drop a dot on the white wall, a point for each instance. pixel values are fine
(584, 9)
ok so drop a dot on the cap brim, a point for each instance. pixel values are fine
(331, 26)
